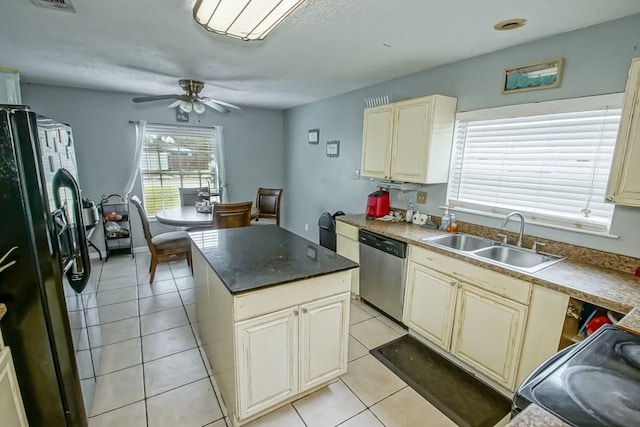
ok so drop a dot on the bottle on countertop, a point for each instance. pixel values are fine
(409, 214)
(453, 224)
(444, 223)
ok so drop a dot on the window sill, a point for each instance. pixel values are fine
(534, 222)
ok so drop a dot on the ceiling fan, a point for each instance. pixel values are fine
(191, 100)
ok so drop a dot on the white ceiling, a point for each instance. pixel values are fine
(324, 48)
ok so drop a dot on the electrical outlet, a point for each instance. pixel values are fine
(421, 197)
(400, 195)
(306, 227)
(356, 174)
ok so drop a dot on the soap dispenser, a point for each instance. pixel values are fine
(409, 215)
(444, 223)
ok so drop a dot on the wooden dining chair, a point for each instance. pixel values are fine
(268, 202)
(189, 196)
(167, 246)
(230, 215)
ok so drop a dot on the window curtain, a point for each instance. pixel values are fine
(135, 167)
(224, 196)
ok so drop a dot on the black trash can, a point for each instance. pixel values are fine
(327, 227)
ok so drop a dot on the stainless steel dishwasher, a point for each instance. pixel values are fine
(383, 263)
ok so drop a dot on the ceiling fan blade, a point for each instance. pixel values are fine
(155, 98)
(174, 104)
(226, 104)
(215, 106)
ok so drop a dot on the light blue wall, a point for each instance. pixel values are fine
(105, 141)
(596, 62)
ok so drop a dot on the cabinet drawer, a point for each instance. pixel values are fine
(275, 298)
(346, 230)
(348, 248)
(498, 283)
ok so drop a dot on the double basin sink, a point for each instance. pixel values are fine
(495, 253)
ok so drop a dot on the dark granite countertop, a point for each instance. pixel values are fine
(250, 258)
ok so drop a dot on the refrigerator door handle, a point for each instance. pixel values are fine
(79, 276)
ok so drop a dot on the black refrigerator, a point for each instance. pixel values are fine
(45, 270)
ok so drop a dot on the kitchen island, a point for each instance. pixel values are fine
(273, 315)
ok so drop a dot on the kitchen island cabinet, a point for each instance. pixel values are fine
(273, 315)
(12, 411)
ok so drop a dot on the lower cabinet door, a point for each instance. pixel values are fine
(11, 408)
(488, 333)
(324, 338)
(430, 304)
(267, 355)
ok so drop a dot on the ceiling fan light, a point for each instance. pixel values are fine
(246, 19)
(198, 107)
(186, 106)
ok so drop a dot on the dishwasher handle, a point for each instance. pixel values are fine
(383, 243)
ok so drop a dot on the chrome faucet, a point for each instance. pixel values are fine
(519, 215)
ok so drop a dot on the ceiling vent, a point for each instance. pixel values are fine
(64, 5)
(510, 24)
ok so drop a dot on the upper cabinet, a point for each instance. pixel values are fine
(409, 140)
(624, 179)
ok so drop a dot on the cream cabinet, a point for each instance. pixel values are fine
(267, 349)
(377, 131)
(488, 333)
(348, 246)
(11, 407)
(476, 315)
(409, 140)
(323, 339)
(624, 178)
(429, 304)
(269, 346)
(291, 351)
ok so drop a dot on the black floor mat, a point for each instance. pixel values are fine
(457, 394)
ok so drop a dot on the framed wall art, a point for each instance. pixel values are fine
(181, 116)
(333, 149)
(539, 75)
(314, 136)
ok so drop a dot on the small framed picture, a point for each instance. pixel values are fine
(333, 148)
(314, 136)
(539, 75)
(181, 116)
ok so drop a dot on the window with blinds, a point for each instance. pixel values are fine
(178, 156)
(548, 160)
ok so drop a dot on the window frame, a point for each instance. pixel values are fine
(588, 103)
(215, 148)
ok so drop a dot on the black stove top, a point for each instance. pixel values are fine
(596, 383)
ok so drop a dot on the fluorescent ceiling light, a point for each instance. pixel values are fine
(244, 19)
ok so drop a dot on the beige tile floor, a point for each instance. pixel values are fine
(154, 371)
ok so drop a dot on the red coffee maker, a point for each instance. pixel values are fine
(378, 204)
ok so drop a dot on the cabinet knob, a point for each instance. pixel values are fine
(452, 283)
(459, 285)
(304, 310)
(295, 312)
(609, 198)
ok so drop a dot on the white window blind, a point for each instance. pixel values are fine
(178, 156)
(549, 161)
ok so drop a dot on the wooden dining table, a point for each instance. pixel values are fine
(187, 216)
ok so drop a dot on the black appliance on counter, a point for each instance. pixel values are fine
(44, 234)
(592, 383)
